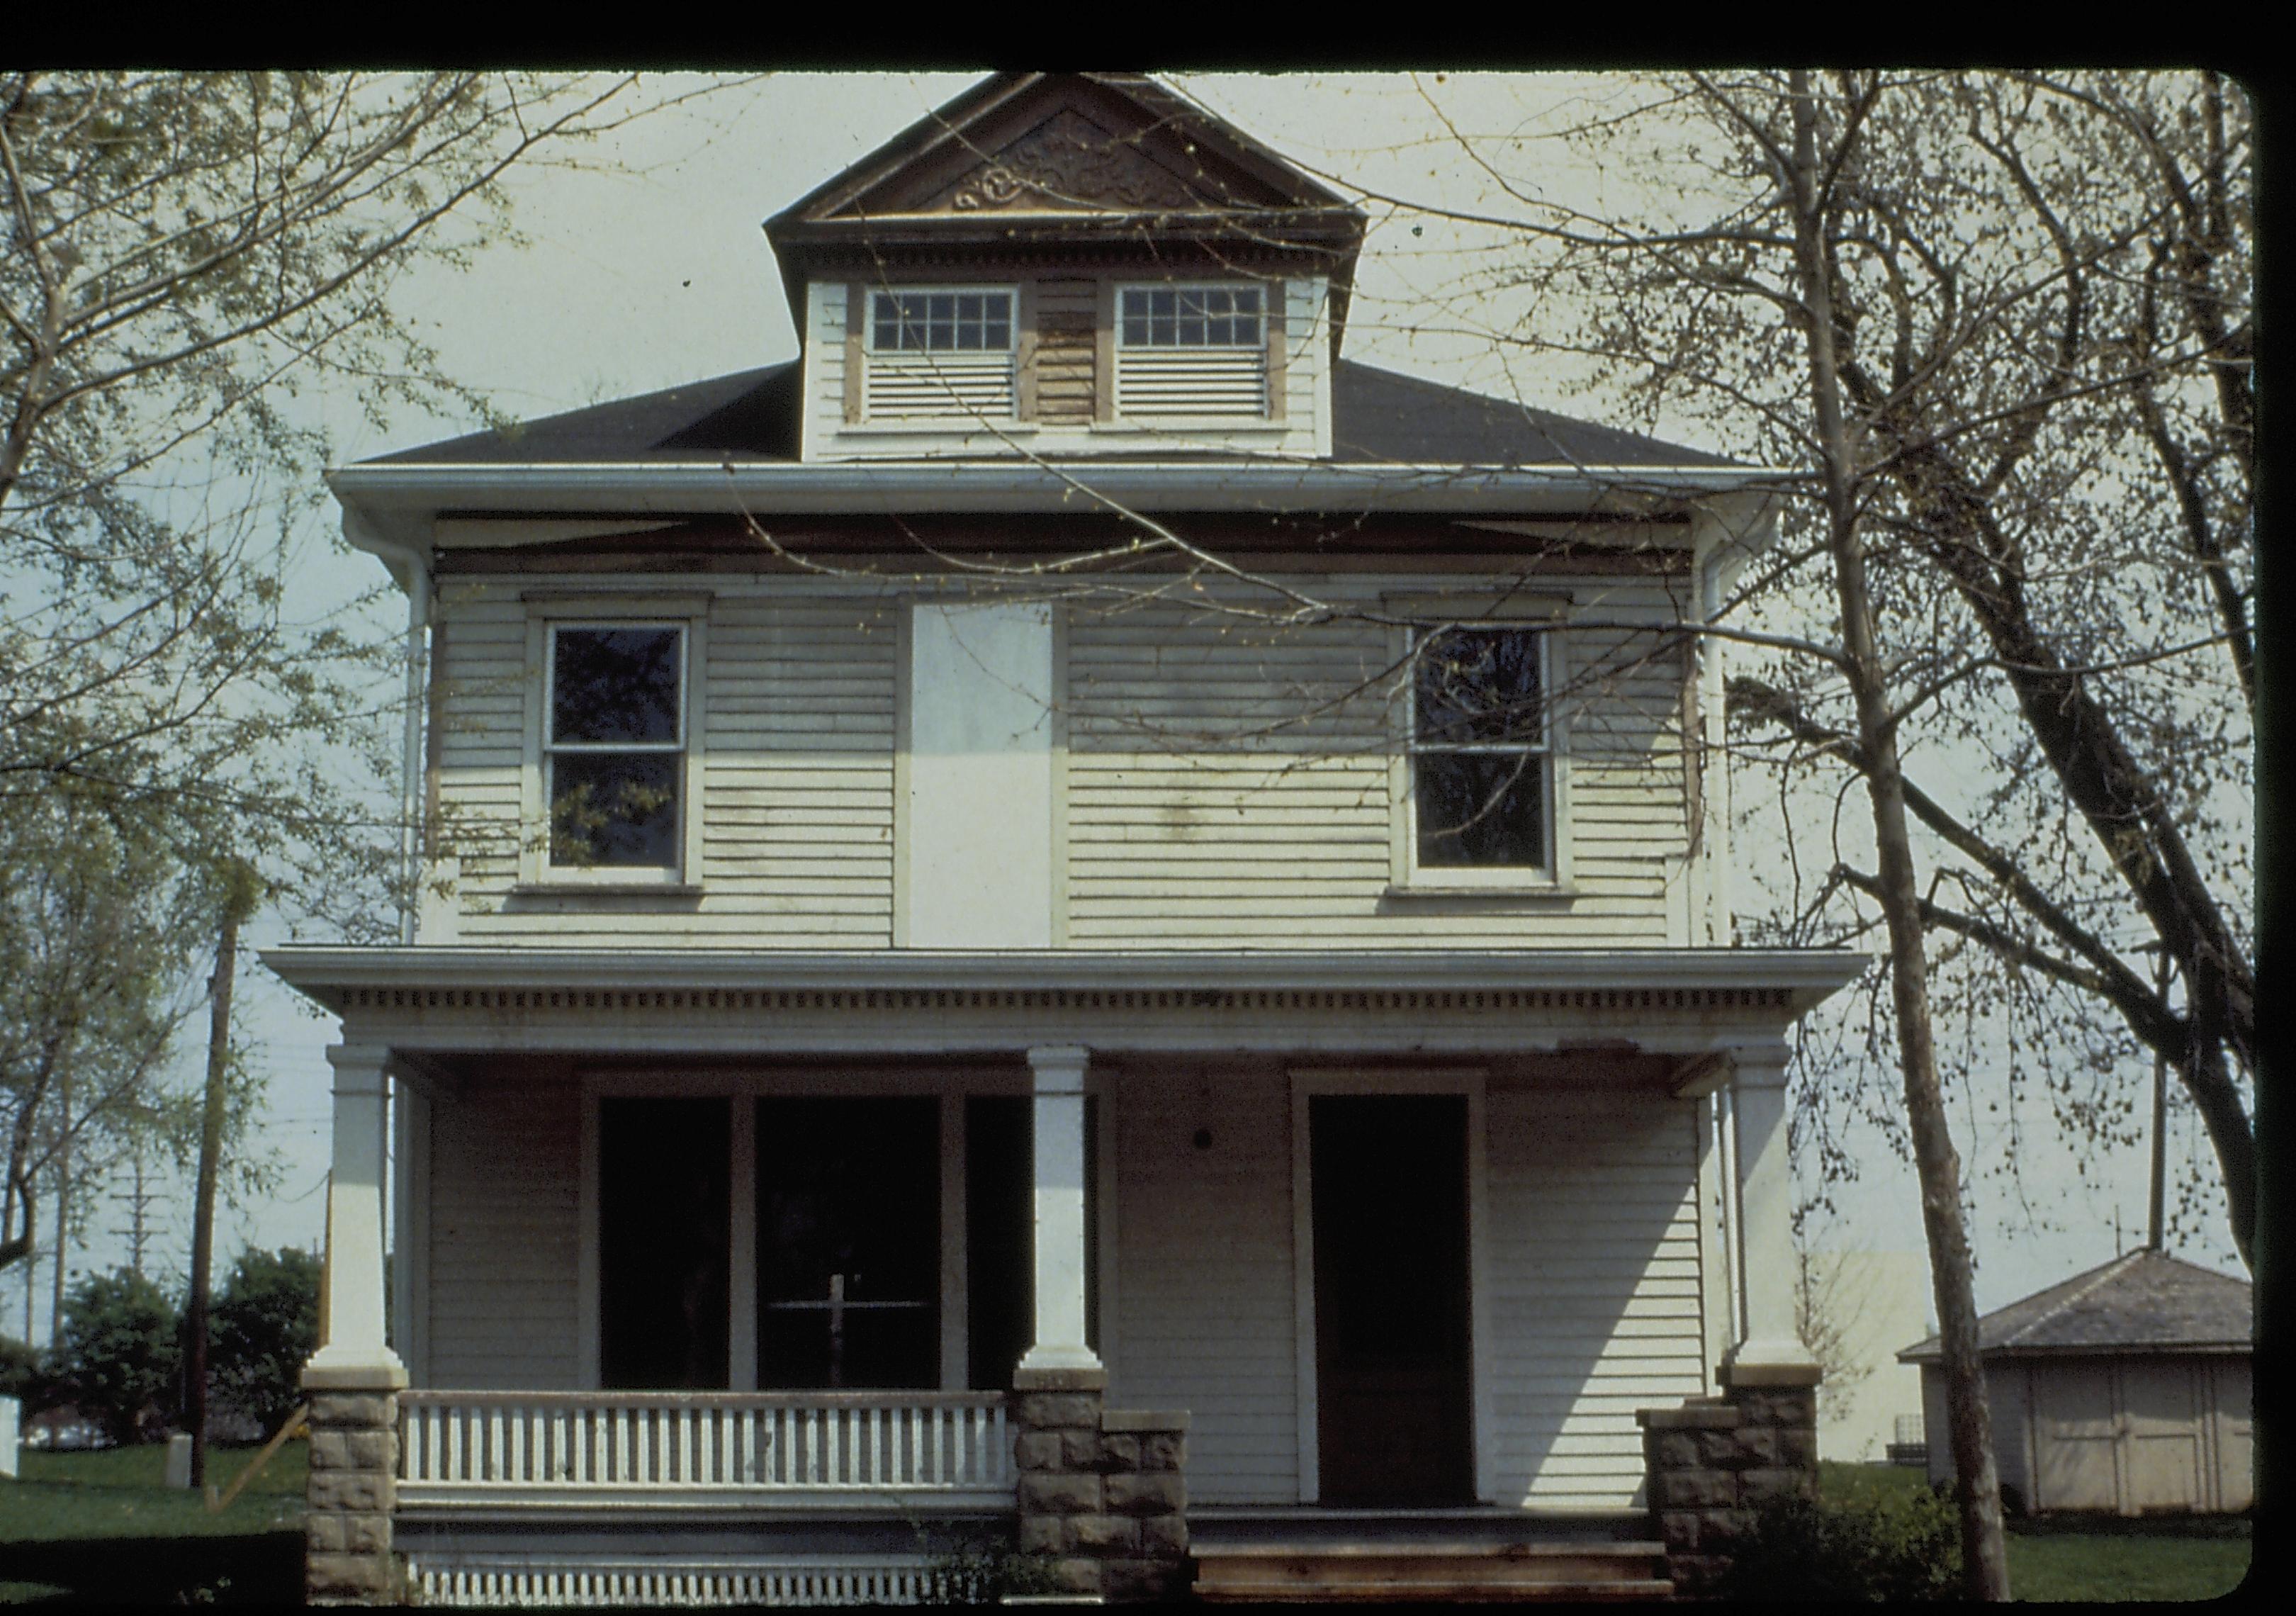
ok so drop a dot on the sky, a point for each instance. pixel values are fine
(644, 265)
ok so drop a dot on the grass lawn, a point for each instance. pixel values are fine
(2068, 1559)
(100, 1528)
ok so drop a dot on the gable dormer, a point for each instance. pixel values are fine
(1068, 265)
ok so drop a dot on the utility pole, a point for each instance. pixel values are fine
(240, 897)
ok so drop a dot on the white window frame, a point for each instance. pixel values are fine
(948, 368)
(547, 614)
(1128, 409)
(1544, 616)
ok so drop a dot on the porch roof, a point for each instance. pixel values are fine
(1686, 1001)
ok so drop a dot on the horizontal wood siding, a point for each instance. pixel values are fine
(505, 1241)
(1228, 784)
(797, 801)
(1065, 313)
(1203, 1299)
(1594, 1278)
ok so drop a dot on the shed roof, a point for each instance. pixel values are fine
(1378, 417)
(2145, 1300)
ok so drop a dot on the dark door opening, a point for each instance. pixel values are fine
(1388, 1176)
(849, 1242)
(665, 1208)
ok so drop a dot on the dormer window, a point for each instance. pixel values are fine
(945, 353)
(1192, 350)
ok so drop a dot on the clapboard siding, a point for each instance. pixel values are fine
(506, 1192)
(1066, 312)
(797, 710)
(1203, 1299)
(1594, 1287)
(1229, 782)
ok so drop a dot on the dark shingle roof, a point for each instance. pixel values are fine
(1377, 418)
(2144, 1300)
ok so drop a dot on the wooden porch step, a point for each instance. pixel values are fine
(1456, 1572)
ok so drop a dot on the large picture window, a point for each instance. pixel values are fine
(1481, 795)
(940, 353)
(614, 745)
(1192, 350)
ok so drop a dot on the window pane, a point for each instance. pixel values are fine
(614, 809)
(1479, 685)
(1480, 808)
(615, 684)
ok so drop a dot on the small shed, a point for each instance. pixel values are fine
(2125, 1389)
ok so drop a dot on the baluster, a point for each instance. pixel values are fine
(489, 1465)
(838, 1443)
(707, 1466)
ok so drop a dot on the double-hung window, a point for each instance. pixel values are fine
(941, 354)
(614, 748)
(1192, 350)
(1480, 803)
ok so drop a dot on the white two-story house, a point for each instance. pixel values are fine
(1071, 843)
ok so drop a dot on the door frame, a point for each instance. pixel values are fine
(1308, 1082)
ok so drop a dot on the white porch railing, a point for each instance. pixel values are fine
(707, 1449)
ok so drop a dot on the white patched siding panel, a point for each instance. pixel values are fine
(1204, 1295)
(1594, 1299)
(506, 1242)
(1228, 784)
(797, 800)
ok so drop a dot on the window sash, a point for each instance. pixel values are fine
(1535, 771)
(599, 754)
(1168, 317)
(958, 321)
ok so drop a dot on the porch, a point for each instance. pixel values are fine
(1178, 1140)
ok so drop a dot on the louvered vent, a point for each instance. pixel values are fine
(1151, 382)
(914, 386)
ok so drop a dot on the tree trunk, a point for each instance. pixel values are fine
(1984, 1557)
(195, 1318)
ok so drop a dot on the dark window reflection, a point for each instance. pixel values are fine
(616, 756)
(1479, 761)
(664, 1214)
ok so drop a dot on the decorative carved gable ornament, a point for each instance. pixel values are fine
(1071, 163)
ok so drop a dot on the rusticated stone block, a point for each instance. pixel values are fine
(346, 1579)
(374, 1449)
(1678, 1529)
(1074, 1576)
(1672, 1449)
(349, 1408)
(1038, 1450)
(1693, 1489)
(330, 1451)
(353, 1491)
(1724, 1450)
(1777, 1405)
(1050, 1493)
(1797, 1446)
(1718, 1527)
(1164, 1535)
(1150, 1493)
(1057, 1410)
(366, 1534)
(1102, 1534)
(1119, 1452)
(1080, 1450)
(1164, 1451)
(1042, 1535)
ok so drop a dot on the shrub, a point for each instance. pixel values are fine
(1892, 1549)
(20, 1370)
(260, 1334)
(117, 1356)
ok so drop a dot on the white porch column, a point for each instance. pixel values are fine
(355, 1354)
(1059, 1071)
(1772, 1353)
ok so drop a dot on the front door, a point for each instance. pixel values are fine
(1389, 1187)
(849, 1242)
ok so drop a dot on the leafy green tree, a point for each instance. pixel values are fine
(20, 1370)
(118, 1357)
(264, 1328)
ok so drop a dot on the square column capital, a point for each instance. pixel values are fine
(1059, 1068)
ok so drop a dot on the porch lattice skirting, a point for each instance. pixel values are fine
(821, 1581)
